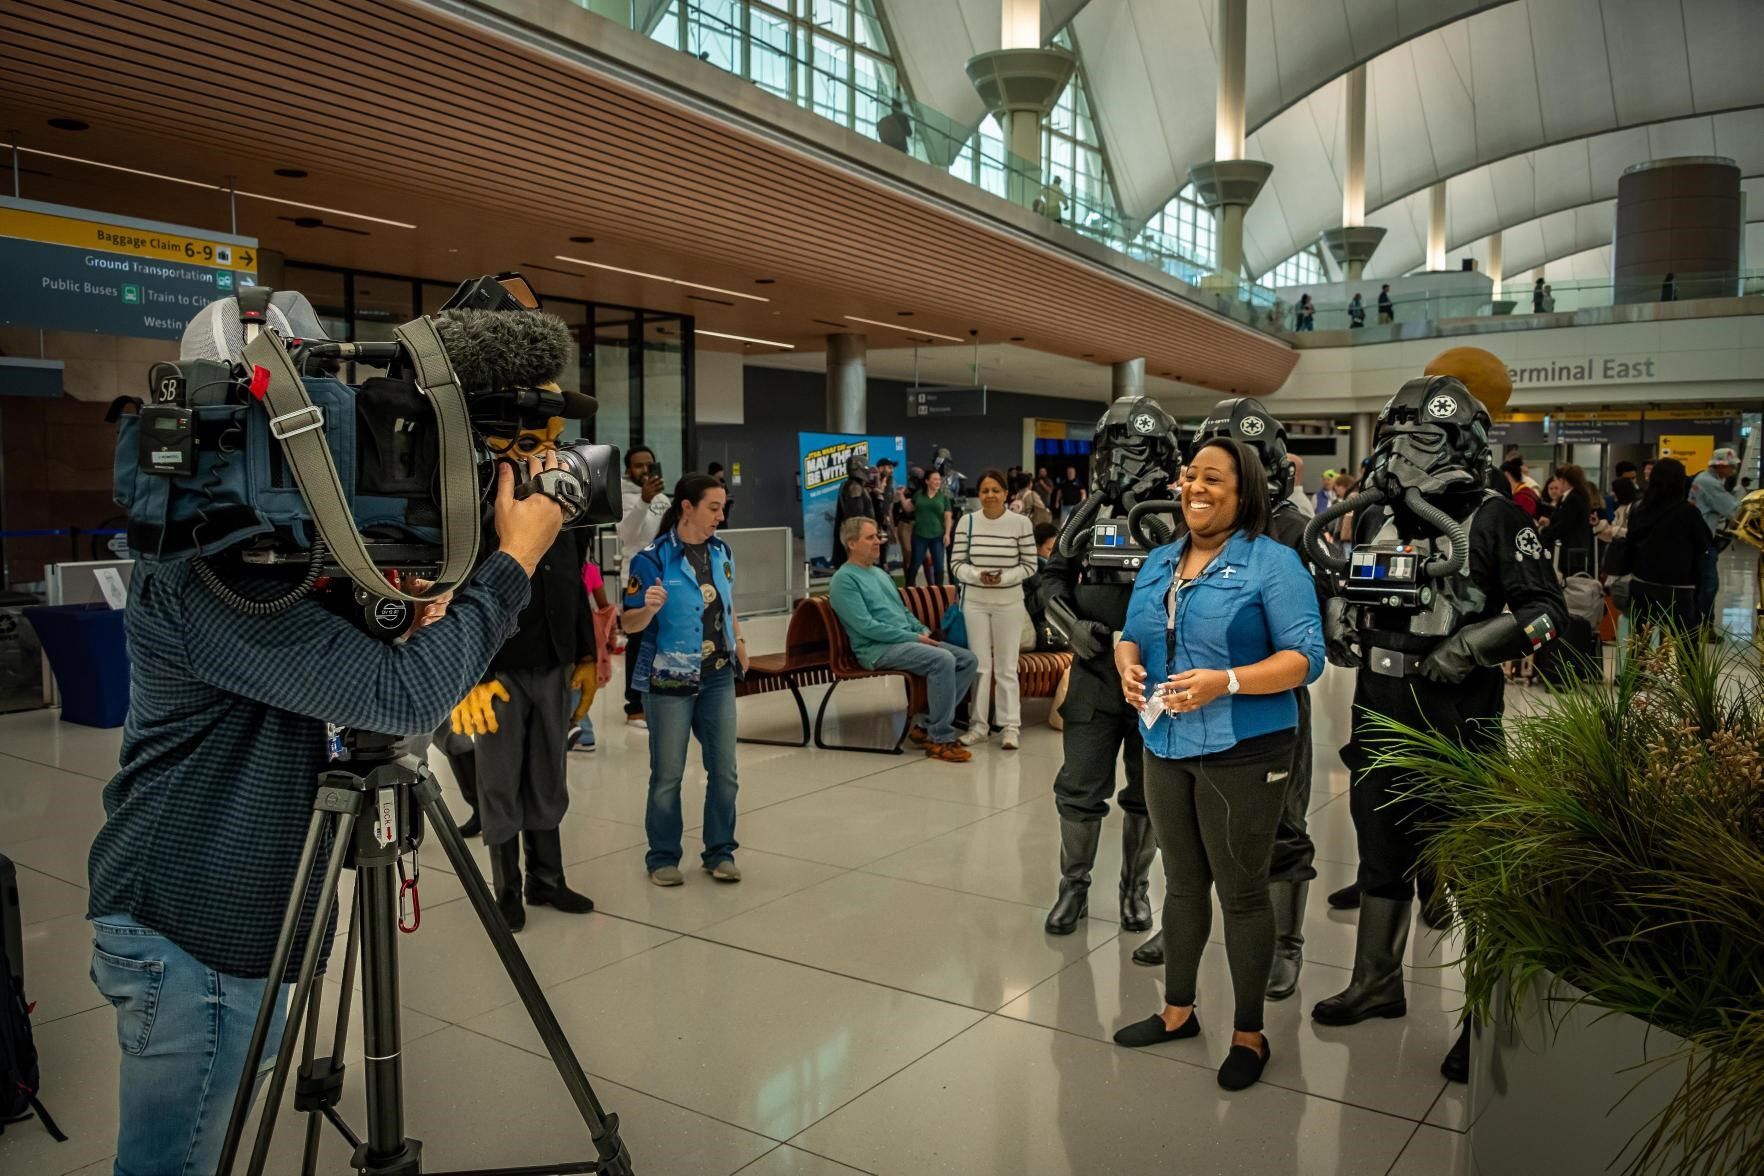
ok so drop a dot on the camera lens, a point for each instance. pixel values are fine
(597, 468)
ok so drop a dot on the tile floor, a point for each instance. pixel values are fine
(876, 996)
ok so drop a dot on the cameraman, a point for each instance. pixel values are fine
(644, 505)
(206, 818)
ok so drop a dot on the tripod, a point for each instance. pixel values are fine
(394, 799)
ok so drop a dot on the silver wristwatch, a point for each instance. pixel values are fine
(1232, 686)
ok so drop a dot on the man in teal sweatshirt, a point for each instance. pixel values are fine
(884, 635)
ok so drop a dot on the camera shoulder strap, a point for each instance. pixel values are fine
(299, 425)
(458, 469)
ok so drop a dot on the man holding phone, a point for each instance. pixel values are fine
(644, 505)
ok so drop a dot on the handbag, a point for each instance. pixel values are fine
(954, 623)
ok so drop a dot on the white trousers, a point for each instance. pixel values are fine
(994, 633)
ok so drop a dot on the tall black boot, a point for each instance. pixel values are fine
(1376, 989)
(1150, 954)
(545, 874)
(1456, 1066)
(1436, 908)
(1289, 937)
(1138, 848)
(505, 881)
(1078, 842)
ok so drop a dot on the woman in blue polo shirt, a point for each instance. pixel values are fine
(680, 593)
(1222, 628)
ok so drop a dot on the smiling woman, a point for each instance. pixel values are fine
(1225, 621)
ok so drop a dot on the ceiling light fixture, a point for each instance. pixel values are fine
(291, 173)
(135, 171)
(69, 124)
(745, 339)
(583, 240)
(905, 330)
(661, 278)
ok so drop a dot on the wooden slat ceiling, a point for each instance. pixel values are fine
(415, 115)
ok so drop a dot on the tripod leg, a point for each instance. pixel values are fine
(315, 942)
(339, 1041)
(381, 1036)
(308, 1048)
(272, 989)
(602, 1127)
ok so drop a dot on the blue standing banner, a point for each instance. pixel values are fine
(821, 468)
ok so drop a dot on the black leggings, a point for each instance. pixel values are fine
(1215, 819)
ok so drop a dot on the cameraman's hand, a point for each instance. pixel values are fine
(476, 713)
(431, 610)
(651, 487)
(526, 527)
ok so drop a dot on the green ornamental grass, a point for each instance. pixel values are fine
(1617, 841)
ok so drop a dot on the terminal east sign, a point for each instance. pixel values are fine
(1590, 370)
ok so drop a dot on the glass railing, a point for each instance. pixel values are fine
(1283, 313)
(864, 104)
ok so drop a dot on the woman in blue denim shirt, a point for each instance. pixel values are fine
(1224, 626)
(681, 590)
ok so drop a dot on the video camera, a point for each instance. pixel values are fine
(253, 443)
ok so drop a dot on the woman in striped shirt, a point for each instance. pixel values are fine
(994, 554)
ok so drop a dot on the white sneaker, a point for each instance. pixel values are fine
(637, 721)
(978, 733)
(1012, 740)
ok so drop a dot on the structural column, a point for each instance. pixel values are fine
(1495, 270)
(1353, 244)
(1436, 228)
(1230, 183)
(1020, 82)
(847, 386)
(1360, 439)
(1127, 378)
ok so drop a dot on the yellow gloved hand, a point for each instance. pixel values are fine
(586, 680)
(476, 713)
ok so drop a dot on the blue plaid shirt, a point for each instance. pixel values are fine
(226, 737)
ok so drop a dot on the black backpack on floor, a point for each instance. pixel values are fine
(18, 1052)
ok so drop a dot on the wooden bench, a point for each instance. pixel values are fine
(803, 663)
(1038, 673)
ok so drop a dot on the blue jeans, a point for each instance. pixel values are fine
(922, 545)
(673, 720)
(183, 1029)
(948, 671)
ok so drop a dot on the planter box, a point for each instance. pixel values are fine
(1565, 1099)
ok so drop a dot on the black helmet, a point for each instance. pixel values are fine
(1136, 449)
(1432, 436)
(856, 466)
(1243, 418)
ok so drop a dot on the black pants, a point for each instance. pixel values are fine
(1214, 818)
(1100, 728)
(1390, 825)
(1293, 851)
(1664, 605)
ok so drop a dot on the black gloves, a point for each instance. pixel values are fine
(1486, 643)
(1088, 639)
(1340, 640)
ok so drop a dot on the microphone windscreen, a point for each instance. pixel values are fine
(492, 350)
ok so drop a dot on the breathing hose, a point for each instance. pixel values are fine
(1078, 525)
(1140, 524)
(1440, 567)
(1314, 546)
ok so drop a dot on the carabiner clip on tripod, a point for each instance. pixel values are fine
(371, 809)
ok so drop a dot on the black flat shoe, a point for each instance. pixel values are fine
(1151, 1031)
(1243, 1066)
(513, 912)
(472, 827)
(560, 898)
(1345, 899)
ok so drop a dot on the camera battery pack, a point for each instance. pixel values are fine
(168, 441)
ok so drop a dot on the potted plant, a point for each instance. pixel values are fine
(1608, 865)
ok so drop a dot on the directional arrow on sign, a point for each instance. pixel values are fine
(247, 257)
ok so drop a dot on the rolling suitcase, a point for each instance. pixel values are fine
(1576, 655)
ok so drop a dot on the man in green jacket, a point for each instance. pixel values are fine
(884, 635)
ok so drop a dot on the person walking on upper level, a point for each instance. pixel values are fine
(1356, 312)
(994, 555)
(1305, 317)
(1537, 297)
(1386, 308)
